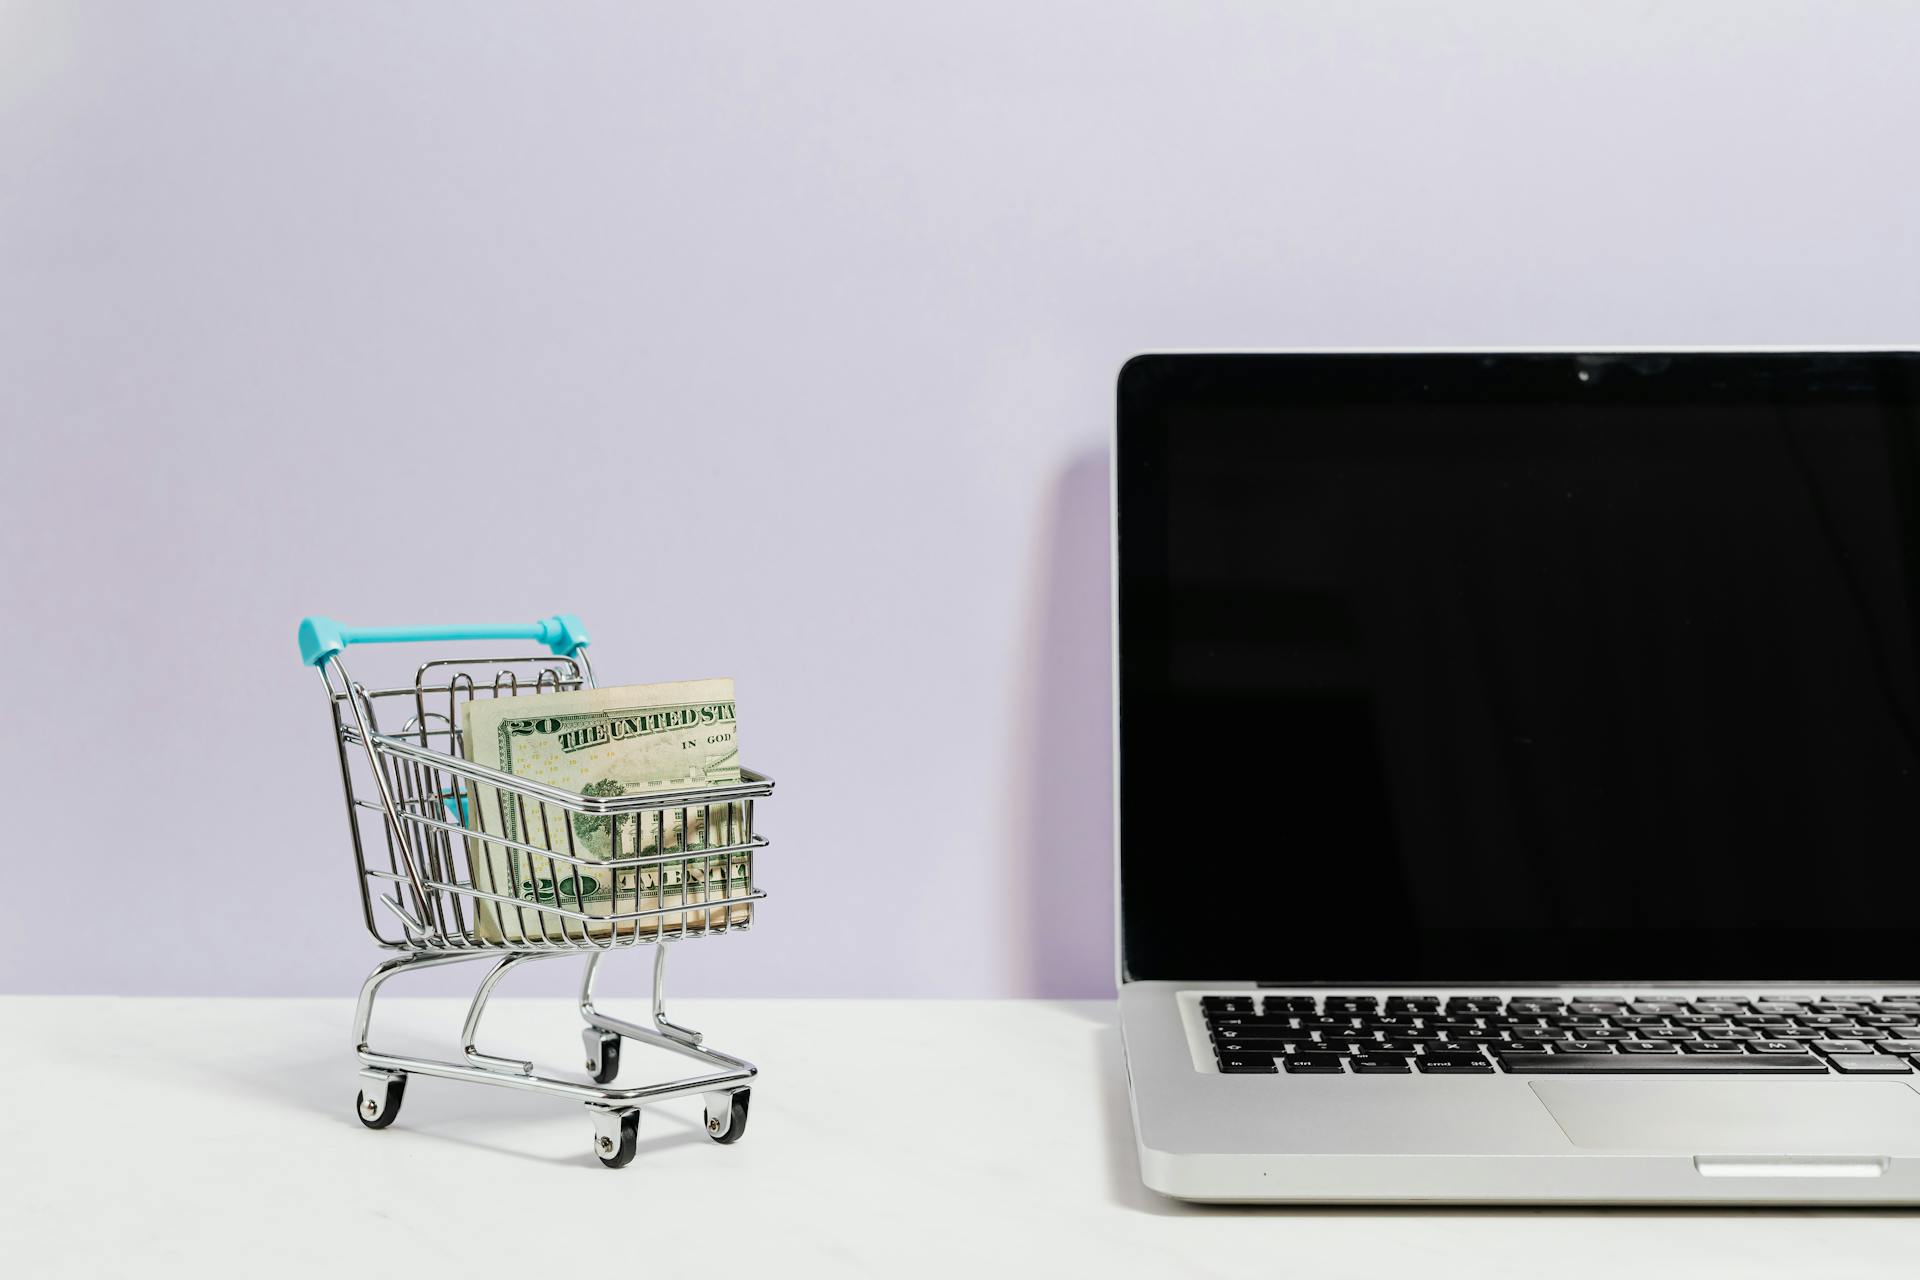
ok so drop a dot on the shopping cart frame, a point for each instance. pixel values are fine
(421, 790)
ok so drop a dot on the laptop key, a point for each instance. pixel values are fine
(1280, 1020)
(1374, 1064)
(1843, 1046)
(1455, 1064)
(1648, 1046)
(1240, 1064)
(1855, 1063)
(1263, 1044)
(1315, 1063)
(1775, 1047)
(1664, 1064)
(1258, 1031)
(1228, 1004)
(1713, 1046)
(1583, 1046)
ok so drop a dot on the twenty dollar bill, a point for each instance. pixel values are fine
(605, 742)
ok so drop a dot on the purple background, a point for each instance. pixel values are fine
(776, 341)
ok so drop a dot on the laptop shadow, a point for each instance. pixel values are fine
(1062, 862)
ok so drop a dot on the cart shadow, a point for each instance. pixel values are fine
(455, 1129)
(448, 1111)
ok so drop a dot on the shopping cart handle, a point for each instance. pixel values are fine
(322, 638)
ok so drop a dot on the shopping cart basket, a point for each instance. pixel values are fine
(429, 828)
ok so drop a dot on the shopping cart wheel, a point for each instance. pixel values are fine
(616, 1136)
(379, 1100)
(727, 1115)
(603, 1054)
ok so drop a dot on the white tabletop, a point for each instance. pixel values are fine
(182, 1137)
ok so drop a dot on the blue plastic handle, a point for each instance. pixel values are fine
(321, 638)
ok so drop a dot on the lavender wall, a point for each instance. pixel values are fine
(777, 341)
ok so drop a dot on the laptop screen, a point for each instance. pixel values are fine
(1519, 668)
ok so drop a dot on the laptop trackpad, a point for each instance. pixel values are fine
(1736, 1117)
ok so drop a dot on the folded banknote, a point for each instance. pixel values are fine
(605, 742)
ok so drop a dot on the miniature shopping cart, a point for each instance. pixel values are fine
(430, 827)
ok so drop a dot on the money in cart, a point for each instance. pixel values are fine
(461, 860)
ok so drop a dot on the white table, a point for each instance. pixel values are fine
(187, 1137)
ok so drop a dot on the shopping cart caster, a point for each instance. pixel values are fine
(379, 1098)
(603, 1054)
(616, 1136)
(727, 1115)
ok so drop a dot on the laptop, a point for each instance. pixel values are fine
(1518, 775)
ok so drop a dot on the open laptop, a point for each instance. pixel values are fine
(1519, 775)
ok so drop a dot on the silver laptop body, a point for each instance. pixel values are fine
(1470, 689)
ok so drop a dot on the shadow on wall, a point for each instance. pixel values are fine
(1064, 863)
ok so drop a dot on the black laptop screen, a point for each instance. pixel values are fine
(1520, 668)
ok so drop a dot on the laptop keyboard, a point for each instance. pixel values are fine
(1258, 1033)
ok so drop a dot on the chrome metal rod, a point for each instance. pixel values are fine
(654, 1035)
(684, 1034)
(363, 1012)
(479, 1006)
(734, 1077)
(751, 785)
(397, 832)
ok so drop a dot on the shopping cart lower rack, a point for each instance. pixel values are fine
(427, 825)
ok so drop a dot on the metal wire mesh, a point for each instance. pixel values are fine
(453, 856)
